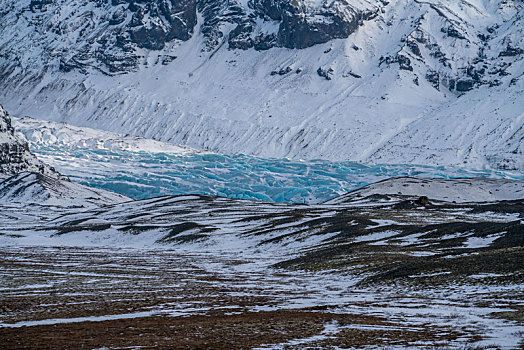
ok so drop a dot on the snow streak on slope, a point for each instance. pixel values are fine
(432, 82)
(142, 168)
(484, 127)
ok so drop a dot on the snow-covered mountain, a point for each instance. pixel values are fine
(427, 82)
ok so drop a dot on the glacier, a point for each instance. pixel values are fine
(141, 168)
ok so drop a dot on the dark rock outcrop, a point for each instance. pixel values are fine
(15, 156)
(511, 51)
(114, 35)
(282, 71)
(299, 29)
(434, 78)
(453, 32)
(158, 22)
(403, 61)
(325, 73)
(299, 25)
(465, 85)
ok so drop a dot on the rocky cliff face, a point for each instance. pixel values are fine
(300, 24)
(108, 35)
(111, 36)
(15, 156)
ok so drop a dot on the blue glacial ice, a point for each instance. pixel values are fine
(143, 174)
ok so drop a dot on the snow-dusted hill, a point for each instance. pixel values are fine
(448, 276)
(456, 190)
(41, 189)
(427, 82)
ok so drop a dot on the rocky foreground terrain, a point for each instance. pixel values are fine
(385, 270)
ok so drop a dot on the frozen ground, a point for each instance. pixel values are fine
(131, 298)
(206, 271)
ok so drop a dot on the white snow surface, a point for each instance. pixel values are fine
(46, 133)
(227, 101)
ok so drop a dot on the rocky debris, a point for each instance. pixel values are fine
(453, 32)
(265, 41)
(39, 5)
(352, 74)
(15, 156)
(423, 200)
(434, 78)
(511, 51)
(413, 46)
(325, 73)
(168, 59)
(282, 71)
(5, 123)
(436, 52)
(403, 61)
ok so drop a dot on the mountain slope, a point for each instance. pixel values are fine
(366, 81)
